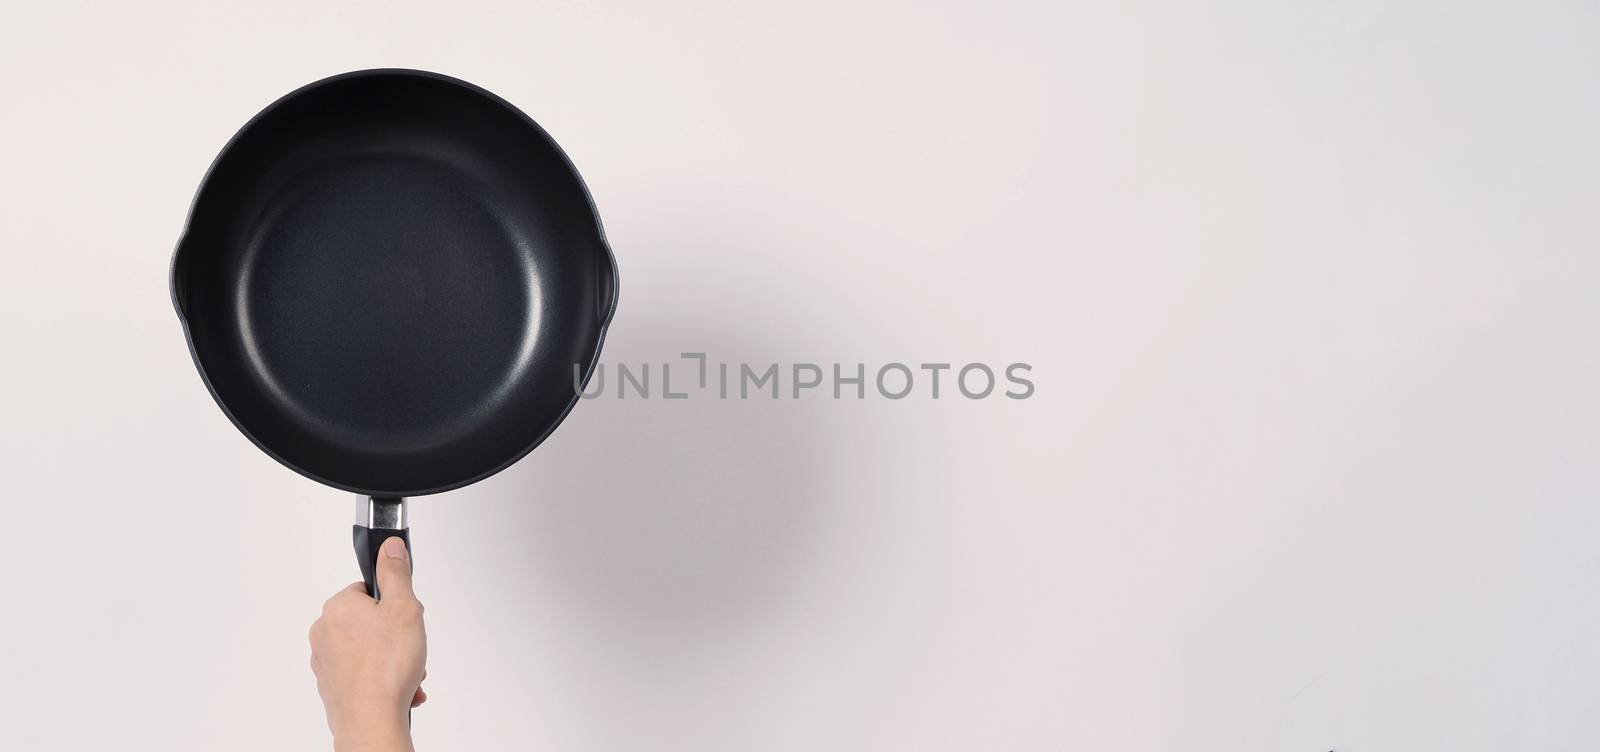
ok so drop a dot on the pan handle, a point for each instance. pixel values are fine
(178, 278)
(607, 291)
(378, 518)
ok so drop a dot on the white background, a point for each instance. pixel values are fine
(1309, 290)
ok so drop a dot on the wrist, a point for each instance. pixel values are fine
(378, 732)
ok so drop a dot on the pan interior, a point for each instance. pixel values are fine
(388, 281)
(383, 302)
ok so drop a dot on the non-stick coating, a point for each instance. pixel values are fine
(387, 280)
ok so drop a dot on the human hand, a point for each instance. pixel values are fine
(370, 657)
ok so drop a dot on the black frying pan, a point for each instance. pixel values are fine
(390, 282)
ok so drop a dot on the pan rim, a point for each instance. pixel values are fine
(174, 283)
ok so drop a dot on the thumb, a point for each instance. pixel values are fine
(394, 570)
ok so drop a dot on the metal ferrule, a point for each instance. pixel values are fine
(382, 513)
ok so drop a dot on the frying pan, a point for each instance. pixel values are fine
(394, 283)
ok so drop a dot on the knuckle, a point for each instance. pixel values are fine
(338, 604)
(409, 610)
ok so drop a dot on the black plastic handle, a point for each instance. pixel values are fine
(368, 541)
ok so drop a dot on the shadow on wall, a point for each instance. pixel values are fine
(667, 519)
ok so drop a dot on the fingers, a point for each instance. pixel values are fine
(418, 697)
(394, 571)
